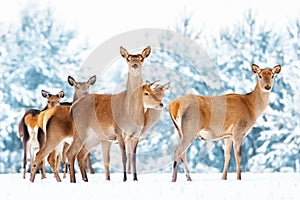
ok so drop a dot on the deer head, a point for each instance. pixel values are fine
(135, 62)
(81, 88)
(53, 100)
(153, 95)
(266, 76)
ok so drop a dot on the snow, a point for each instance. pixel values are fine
(154, 186)
(272, 146)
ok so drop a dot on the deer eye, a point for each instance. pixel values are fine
(146, 93)
(272, 76)
(259, 76)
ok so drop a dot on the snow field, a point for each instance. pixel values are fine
(155, 186)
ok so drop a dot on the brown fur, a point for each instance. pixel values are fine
(127, 112)
(81, 89)
(228, 117)
(151, 117)
(54, 121)
(103, 127)
(61, 128)
(30, 135)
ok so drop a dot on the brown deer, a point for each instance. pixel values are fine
(31, 136)
(59, 128)
(104, 118)
(80, 89)
(151, 117)
(228, 117)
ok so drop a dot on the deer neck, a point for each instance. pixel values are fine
(133, 83)
(259, 100)
(76, 96)
(134, 99)
(46, 107)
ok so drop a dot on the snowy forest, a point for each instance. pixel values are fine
(39, 53)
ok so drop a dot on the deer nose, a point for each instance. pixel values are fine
(161, 105)
(135, 66)
(268, 87)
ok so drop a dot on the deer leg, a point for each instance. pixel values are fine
(45, 150)
(81, 158)
(91, 141)
(57, 166)
(64, 159)
(42, 167)
(53, 161)
(227, 151)
(175, 169)
(134, 144)
(124, 156)
(88, 163)
(129, 150)
(106, 157)
(179, 151)
(186, 139)
(41, 140)
(32, 156)
(71, 155)
(24, 158)
(183, 159)
(71, 160)
(238, 154)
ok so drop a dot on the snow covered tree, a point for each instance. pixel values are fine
(281, 149)
(172, 59)
(248, 43)
(233, 52)
(37, 53)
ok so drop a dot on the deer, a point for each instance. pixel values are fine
(228, 117)
(80, 89)
(107, 135)
(60, 129)
(151, 117)
(110, 117)
(31, 136)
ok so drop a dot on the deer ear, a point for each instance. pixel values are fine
(45, 94)
(255, 69)
(92, 80)
(276, 69)
(123, 52)
(146, 52)
(166, 86)
(61, 94)
(154, 84)
(71, 80)
(148, 83)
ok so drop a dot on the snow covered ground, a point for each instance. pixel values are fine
(154, 186)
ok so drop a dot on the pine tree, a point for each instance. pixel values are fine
(37, 53)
